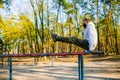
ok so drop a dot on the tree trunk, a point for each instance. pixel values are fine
(98, 26)
(76, 17)
(56, 25)
(70, 35)
(36, 28)
(48, 25)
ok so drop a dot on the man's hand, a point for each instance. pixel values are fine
(88, 51)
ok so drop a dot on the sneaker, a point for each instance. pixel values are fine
(54, 37)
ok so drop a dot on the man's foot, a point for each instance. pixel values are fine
(54, 37)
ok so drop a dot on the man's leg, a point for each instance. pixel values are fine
(73, 40)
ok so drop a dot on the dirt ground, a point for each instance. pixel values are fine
(94, 70)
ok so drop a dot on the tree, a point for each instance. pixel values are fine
(31, 34)
(37, 47)
(1, 3)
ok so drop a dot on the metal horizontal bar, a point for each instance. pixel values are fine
(47, 54)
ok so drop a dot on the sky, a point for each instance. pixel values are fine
(17, 7)
(23, 7)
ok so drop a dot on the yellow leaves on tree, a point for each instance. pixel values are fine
(14, 30)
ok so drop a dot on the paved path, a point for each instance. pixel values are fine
(63, 71)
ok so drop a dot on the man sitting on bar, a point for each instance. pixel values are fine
(89, 42)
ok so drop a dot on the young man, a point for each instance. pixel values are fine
(89, 42)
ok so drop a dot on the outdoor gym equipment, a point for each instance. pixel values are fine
(80, 60)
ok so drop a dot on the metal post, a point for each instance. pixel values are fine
(10, 68)
(35, 61)
(52, 61)
(79, 68)
(2, 62)
(8, 49)
(82, 67)
(2, 57)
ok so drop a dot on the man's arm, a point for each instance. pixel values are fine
(91, 37)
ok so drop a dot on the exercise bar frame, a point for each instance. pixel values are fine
(80, 60)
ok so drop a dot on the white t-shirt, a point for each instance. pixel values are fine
(91, 35)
